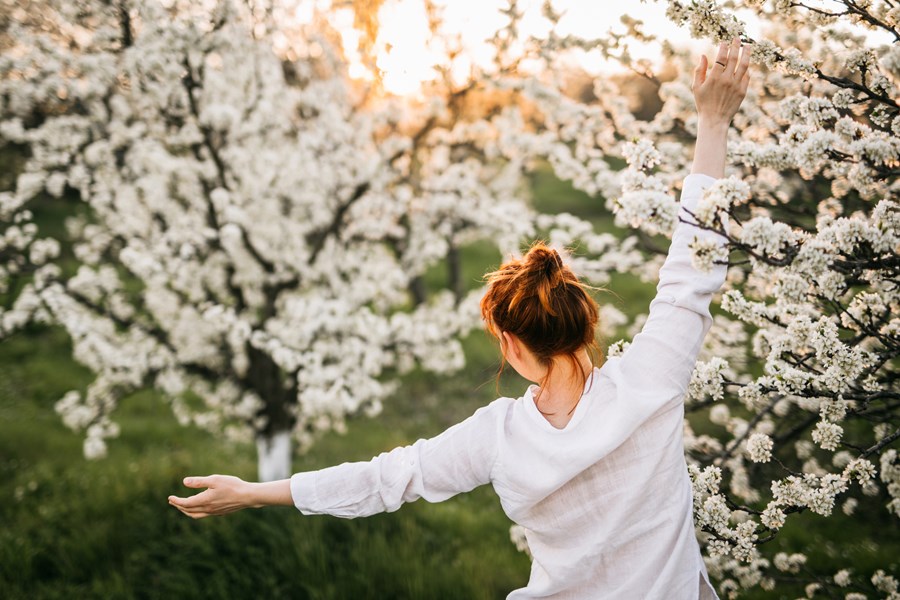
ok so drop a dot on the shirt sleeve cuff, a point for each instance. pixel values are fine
(304, 493)
(692, 189)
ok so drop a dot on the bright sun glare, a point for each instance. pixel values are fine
(406, 55)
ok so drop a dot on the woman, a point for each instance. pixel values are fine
(590, 461)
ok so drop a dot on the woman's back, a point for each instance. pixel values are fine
(620, 528)
(606, 500)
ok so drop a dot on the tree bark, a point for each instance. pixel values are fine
(273, 441)
(454, 272)
(418, 291)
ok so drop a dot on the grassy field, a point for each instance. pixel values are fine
(78, 529)
(103, 529)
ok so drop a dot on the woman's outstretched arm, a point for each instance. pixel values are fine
(458, 460)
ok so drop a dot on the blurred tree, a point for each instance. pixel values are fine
(258, 227)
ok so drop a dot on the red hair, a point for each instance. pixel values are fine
(540, 300)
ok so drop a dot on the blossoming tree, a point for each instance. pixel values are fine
(797, 392)
(259, 224)
(257, 228)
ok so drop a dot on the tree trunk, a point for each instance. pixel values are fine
(417, 289)
(454, 272)
(273, 441)
(274, 455)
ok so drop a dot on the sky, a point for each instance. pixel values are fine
(406, 55)
(403, 25)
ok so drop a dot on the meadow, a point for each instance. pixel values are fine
(78, 529)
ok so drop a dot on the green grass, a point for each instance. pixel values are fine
(103, 529)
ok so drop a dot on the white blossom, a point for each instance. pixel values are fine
(773, 517)
(517, 535)
(827, 435)
(842, 577)
(720, 196)
(789, 563)
(884, 582)
(759, 446)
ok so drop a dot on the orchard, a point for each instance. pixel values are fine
(254, 214)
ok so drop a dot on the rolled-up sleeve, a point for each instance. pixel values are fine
(458, 460)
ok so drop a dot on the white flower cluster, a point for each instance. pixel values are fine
(641, 155)
(517, 534)
(706, 253)
(706, 380)
(712, 514)
(763, 235)
(759, 447)
(720, 196)
(811, 491)
(706, 19)
(890, 476)
(23, 252)
(645, 202)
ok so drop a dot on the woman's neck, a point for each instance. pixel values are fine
(562, 390)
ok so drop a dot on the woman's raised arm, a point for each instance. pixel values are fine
(658, 364)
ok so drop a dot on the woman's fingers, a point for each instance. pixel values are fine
(718, 94)
(223, 495)
(700, 72)
(744, 64)
(194, 514)
(191, 506)
(183, 503)
(721, 58)
(197, 482)
(733, 51)
(745, 83)
(195, 501)
(731, 59)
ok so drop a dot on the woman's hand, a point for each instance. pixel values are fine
(718, 94)
(224, 494)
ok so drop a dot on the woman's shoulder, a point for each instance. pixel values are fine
(497, 414)
(501, 407)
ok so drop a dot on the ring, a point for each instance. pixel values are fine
(720, 63)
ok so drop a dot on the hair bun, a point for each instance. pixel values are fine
(540, 300)
(546, 262)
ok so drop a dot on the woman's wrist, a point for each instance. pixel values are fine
(713, 125)
(268, 493)
(248, 494)
(709, 153)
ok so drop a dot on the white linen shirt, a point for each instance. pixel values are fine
(606, 500)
